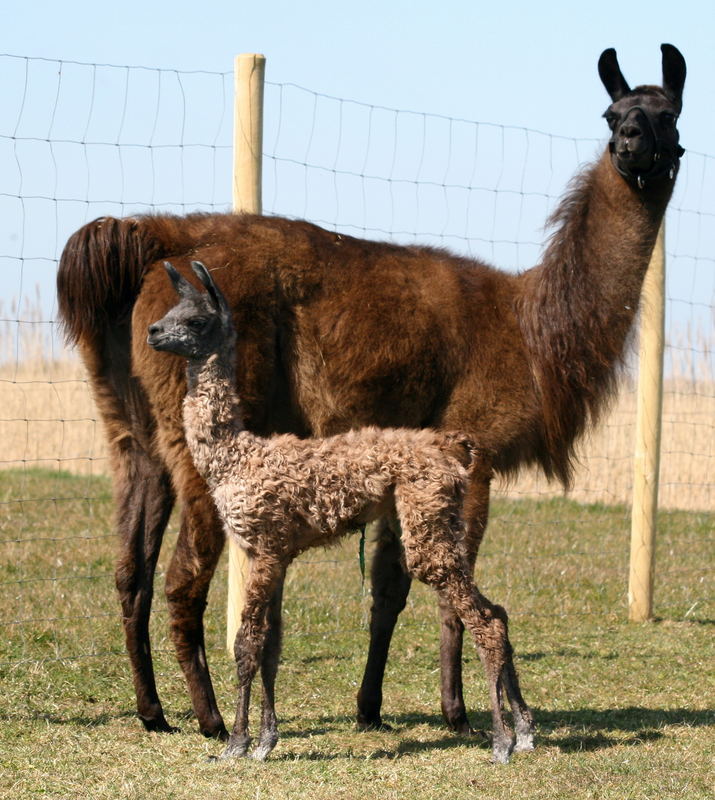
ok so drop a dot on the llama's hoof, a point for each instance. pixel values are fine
(479, 734)
(465, 729)
(501, 750)
(378, 725)
(237, 747)
(218, 732)
(457, 722)
(524, 742)
(262, 752)
(524, 729)
(266, 742)
(158, 725)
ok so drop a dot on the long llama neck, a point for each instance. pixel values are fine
(577, 307)
(212, 412)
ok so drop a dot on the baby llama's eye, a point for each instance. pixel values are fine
(197, 324)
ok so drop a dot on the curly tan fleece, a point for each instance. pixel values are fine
(282, 495)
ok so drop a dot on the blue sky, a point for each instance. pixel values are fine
(514, 63)
(523, 64)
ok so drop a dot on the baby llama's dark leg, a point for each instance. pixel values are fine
(269, 669)
(262, 581)
(523, 718)
(488, 624)
(475, 513)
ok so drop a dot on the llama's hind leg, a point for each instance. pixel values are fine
(523, 718)
(390, 587)
(476, 512)
(200, 542)
(144, 501)
(492, 646)
(488, 624)
(432, 554)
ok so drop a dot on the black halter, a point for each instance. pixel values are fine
(664, 161)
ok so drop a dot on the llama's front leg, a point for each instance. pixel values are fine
(390, 587)
(450, 662)
(268, 737)
(260, 630)
(247, 652)
(239, 739)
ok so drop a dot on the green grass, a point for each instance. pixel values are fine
(623, 710)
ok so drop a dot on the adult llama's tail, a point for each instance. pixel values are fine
(100, 273)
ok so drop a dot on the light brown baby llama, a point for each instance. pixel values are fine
(282, 495)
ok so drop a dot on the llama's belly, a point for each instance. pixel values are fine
(295, 514)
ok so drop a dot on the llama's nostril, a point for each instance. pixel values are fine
(154, 329)
(630, 131)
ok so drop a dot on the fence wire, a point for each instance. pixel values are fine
(78, 141)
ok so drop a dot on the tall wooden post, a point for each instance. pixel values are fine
(648, 432)
(249, 71)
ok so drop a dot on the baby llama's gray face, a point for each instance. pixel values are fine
(200, 324)
(191, 329)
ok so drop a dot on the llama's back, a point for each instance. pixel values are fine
(334, 332)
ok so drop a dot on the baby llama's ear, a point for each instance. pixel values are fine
(216, 295)
(181, 285)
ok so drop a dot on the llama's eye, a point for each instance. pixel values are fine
(611, 119)
(198, 324)
(667, 119)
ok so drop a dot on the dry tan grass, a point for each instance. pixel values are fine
(47, 415)
(48, 418)
(687, 469)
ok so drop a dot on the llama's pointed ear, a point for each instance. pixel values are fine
(673, 73)
(215, 293)
(181, 285)
(611, 75)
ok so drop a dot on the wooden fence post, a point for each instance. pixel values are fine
(648, 431)
(249, 71)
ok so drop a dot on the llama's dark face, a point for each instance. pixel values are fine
(643, 121)
(199, 325)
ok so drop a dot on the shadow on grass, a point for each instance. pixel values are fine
(570, 731)
(580, 730)
(628, 719)
(403, 747)
(80, 720)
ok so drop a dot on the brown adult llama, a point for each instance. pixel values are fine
(339, 332)
(281, 495)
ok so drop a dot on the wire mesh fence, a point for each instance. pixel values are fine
(78, 141)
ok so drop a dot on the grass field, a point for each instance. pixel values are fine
(623, 711)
